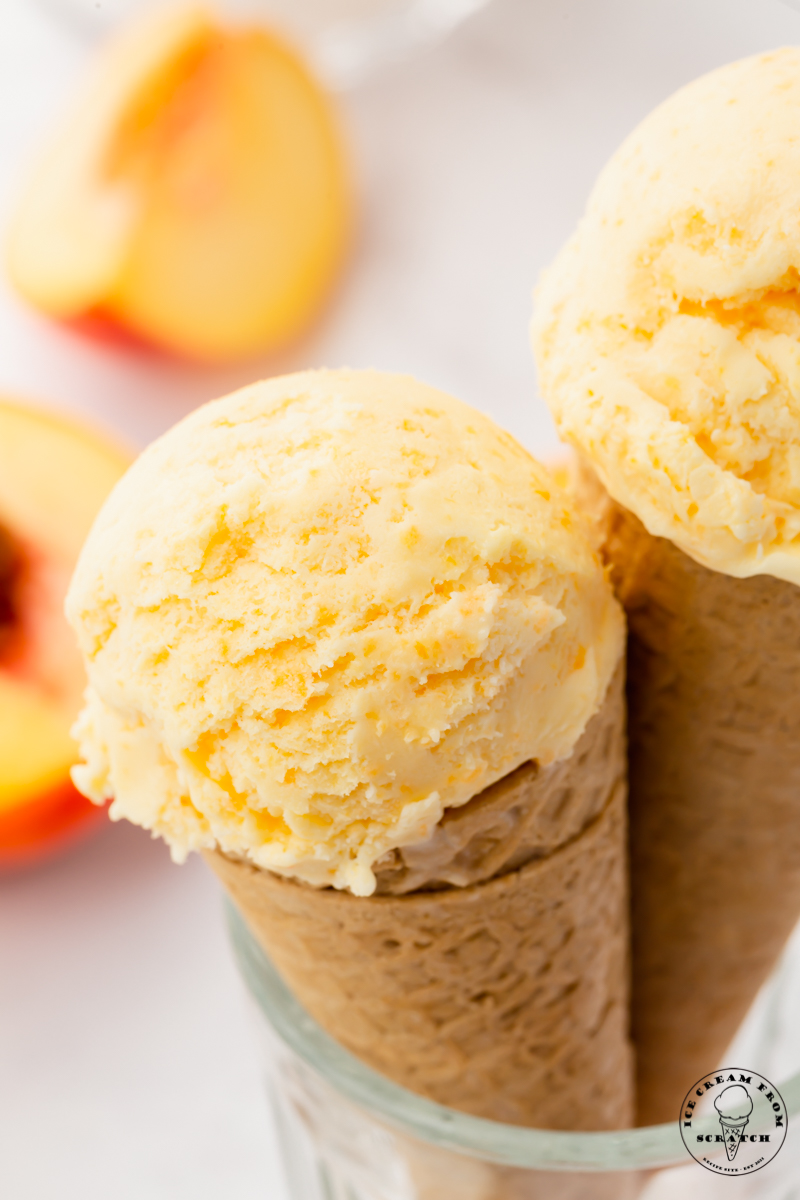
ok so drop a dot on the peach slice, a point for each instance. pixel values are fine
(197, 195)
(54, 475)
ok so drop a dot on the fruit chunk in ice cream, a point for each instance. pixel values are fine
(668, 330)
(324, 609)
(54, 476)
(195, 197)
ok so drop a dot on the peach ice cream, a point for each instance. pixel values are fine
(667, 332)
(321, 611)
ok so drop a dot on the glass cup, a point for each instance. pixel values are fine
(348, 1133)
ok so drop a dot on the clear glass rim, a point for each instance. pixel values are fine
(508, 1145)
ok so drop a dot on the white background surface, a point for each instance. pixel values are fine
(126, 1065)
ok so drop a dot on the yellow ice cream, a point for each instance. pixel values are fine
(668, 330)
(321, 610)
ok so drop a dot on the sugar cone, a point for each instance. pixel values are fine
(714, 734)
(506, 998)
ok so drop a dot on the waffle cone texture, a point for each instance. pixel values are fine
(714, 766)
(508, 997)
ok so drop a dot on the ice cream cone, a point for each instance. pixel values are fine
(667, 339)
(369, 663)
(714, 777)
(734, 1105)
(508, 997)
(732, 1132)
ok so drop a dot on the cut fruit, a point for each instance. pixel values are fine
(46, 826)
(198, 195)
(54, 475)
(71, 234)
(36, 751)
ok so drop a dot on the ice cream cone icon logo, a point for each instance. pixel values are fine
(753, 1120)
(734, 1106)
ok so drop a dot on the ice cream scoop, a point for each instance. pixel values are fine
(321, 611)
(668, 330)
(734, 1103)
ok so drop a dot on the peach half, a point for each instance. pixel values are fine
(197, 196)
(54, 475)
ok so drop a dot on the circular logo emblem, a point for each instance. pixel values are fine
(733, 1122)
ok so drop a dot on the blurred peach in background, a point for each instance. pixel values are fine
(54, 475)
(197, 196)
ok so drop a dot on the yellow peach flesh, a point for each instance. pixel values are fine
(54, 475)
(36, 750)
(205, 208)
(70, 235)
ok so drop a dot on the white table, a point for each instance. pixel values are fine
(126, 1065)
